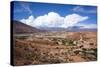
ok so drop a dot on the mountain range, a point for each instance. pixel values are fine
(19, 27)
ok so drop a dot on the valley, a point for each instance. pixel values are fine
(54, 47)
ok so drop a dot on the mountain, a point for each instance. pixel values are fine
(19, 28)
(52, 28)
(81, 28)
(70, 29)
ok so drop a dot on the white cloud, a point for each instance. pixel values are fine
(78, 8)
(53, 19)
(26, 7)
(28, 21)
(72, 19)
(83, 10)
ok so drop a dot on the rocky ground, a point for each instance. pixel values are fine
(74, 47)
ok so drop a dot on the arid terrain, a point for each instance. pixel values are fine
(51, 33)
(54, 47)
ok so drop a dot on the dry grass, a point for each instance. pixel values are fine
(41, 51)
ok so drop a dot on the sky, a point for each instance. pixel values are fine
(54, 15)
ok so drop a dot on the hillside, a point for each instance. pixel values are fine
(20, 28)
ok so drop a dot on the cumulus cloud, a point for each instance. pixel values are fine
(28, 21)
(72, 19)
(53, 19)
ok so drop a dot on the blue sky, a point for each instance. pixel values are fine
(55, 14)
